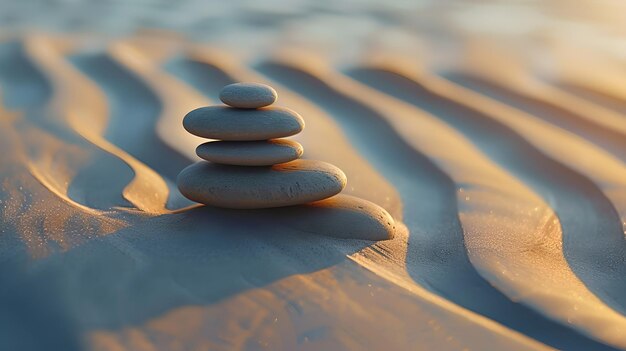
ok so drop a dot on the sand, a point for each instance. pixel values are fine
(502, 166)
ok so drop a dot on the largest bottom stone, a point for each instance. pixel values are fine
(292, 183)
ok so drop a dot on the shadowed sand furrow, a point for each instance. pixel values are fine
(551, 110)
(134, 109)
(83, 107)
(205, 68)
(593, 238)
(436, 242)
(177, 99)
(24, 87)
(601, 98)
(28, 88)
(200, 76)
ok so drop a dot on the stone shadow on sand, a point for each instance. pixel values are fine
(197, 257)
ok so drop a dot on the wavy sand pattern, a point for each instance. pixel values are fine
(511, 205)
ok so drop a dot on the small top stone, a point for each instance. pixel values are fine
(248, 95)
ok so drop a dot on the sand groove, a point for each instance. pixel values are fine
(602, 98)
(133, 113)
(604, 129)
(79, 99)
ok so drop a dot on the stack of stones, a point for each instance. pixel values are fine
(250, 166)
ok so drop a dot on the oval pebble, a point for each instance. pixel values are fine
(341, 216)
(227, 123)
(291, 183)
(250, 153)
(248, 95)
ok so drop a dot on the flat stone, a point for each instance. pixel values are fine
(341, 216)
(248, 95)
(250, 153)
(232, 124)
(292, 183)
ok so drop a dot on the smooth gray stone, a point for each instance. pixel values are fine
(250, 153)
(232, 124)
(341, 216)
(248, 95)
(292, 183)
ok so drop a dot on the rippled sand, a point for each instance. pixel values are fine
(510, 191)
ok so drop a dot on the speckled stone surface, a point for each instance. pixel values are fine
(248, 95)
